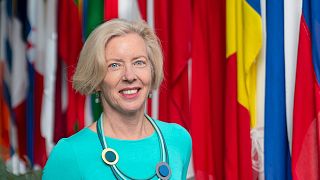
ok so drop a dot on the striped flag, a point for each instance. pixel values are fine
(244, 42)
(18, 81)
(306, 124)
(292, 15)
(33, 16)
(7, 65)
(277, 154)
(257, 132)
(30, 108)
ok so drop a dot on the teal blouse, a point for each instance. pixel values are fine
(79, 156)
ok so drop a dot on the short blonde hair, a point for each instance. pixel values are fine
(91, 67)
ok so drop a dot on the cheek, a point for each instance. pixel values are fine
(110, 92)
(146, 78)
(109, 84)
(112, 78)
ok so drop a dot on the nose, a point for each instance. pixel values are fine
(129, 74)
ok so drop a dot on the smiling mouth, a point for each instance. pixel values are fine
(129, 91)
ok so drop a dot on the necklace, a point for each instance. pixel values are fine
(111, 157)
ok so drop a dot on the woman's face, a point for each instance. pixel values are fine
(128, 79)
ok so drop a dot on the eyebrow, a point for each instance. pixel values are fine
(115, 59)
(121, 60)
(137, 57)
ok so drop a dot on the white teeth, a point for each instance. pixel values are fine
(133, 91)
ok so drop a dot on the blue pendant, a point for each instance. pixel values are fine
(110, 156)
(163, 170)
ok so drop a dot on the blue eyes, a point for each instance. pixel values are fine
(114, 65)
(139, 63)
(118, 65)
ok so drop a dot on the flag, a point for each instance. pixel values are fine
(173, 27)
(306, 131)
(18, 79)
(208, 88)
(29, 117)
(257, 132)
(33, 16)
(292, 14)
(244, 42)
(110, 9)
(4, 120)
(277, 154)
(50, 58)
(4, 105)
(69, 46)
(143, 8)
(93, 16)
(6, 61)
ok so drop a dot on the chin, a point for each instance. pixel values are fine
(131, 109)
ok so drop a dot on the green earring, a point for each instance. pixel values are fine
(97, 99)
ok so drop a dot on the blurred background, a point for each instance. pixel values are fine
(242, 76)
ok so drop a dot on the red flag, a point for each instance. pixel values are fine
(173, 26)
(4, 119)
(110, 9)
(60, 129)
(40, 153)
(143, 9)
(306, 125)
(69, 46)
(207, 97)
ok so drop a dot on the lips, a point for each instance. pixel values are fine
(132, 91)
(129, 92)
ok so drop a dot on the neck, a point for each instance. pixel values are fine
(126, 126)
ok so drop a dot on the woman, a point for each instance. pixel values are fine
(122, 63)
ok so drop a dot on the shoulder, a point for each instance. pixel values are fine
(67, 147)
(61, 151)
(176, 134)
(178, 141)
(63, 161)
(173, 129)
